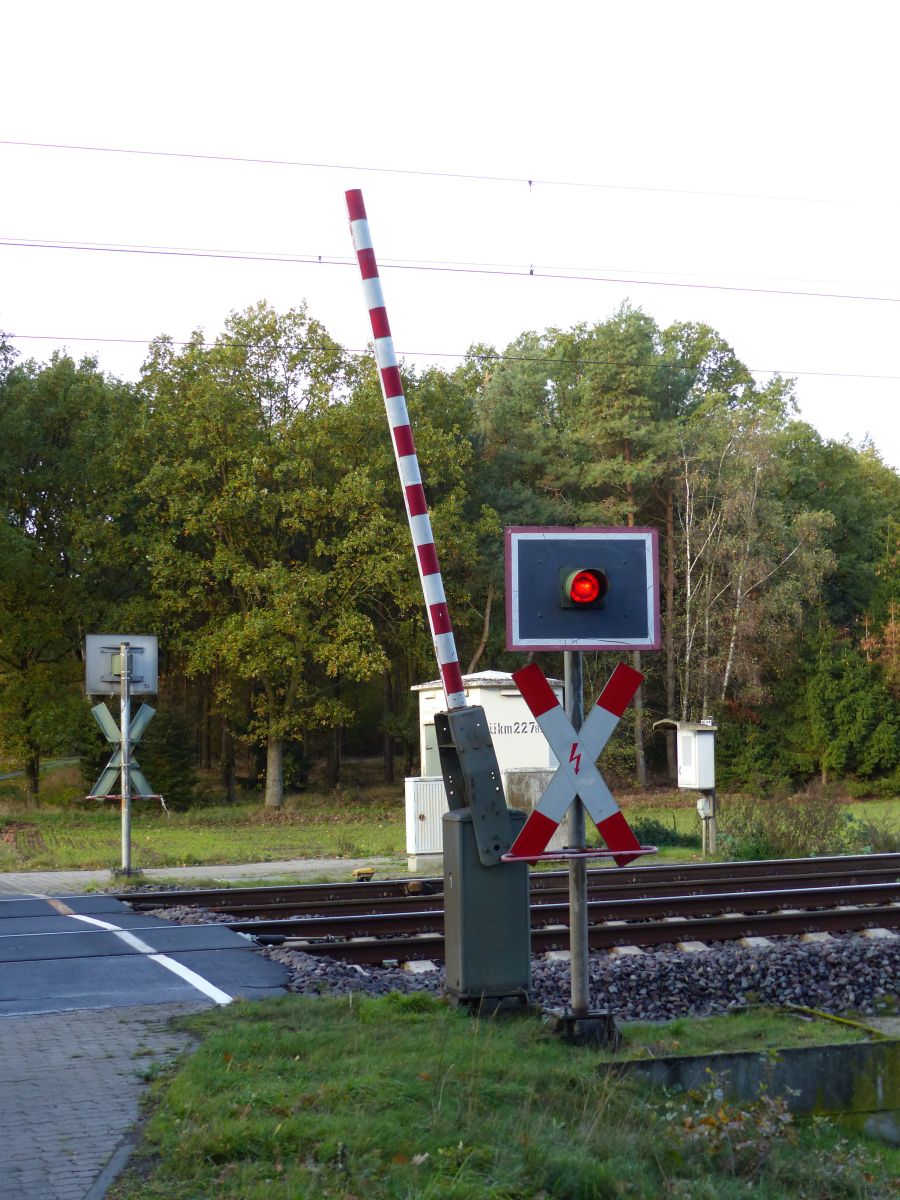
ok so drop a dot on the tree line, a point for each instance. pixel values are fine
(240, 500)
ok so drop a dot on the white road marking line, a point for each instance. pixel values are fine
(202, 985)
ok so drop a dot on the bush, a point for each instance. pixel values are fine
(793, 827)
(875, 837)
(295, 767)
(650, 832)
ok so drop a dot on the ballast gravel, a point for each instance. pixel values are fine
(852, 974)
(849, 973)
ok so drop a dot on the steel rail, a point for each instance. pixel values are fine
(634, 881)
(605, 887)
(652, 908)
(374, 950)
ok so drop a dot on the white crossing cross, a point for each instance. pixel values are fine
(111, 772)
(577, 752)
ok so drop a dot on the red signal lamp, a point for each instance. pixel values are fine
(582, 587)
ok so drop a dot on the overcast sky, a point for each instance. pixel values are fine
(733, 163)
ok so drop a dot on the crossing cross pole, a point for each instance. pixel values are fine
(125, 726)
(577, 776)
(109, 669)
(579, 950)
(577, 786)
(572, 589)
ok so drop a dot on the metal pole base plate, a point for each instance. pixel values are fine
(596, 1027)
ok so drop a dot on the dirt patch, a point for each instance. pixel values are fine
(27, 840)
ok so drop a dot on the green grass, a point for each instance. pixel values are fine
(754, 1029)
(875, 810)
(362, 819)
(402, 1097)
(88, 835)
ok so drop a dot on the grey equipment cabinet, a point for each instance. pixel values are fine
(487, 922)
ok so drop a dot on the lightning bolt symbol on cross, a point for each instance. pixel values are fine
(575, 757)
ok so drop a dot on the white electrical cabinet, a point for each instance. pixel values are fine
(517, 739)
(426, 803)
(696, 751)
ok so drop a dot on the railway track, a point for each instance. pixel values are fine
(398, 920)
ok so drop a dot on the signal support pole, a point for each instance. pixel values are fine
(578, 914)
(125, 726)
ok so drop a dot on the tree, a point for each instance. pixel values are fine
(279, 547)
(254, 530)
(847, 721)
(67, 562)
(750, 557)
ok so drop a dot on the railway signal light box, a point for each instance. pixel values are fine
(584, 588)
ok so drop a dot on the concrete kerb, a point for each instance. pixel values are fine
(306, 870)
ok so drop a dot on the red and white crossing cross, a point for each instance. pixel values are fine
(577, 775)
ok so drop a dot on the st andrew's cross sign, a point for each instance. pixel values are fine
(577, 752)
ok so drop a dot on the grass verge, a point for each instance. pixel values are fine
(360, 820)
(89, 835)
(401, 1097)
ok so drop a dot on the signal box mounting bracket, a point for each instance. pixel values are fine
(472, 779)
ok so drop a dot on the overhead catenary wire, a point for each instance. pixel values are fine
(407, 265)
(304, 257)
(529, 181)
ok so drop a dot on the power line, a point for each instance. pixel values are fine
(346, 260)
(407, 265)
(429, 354)
(472, 178)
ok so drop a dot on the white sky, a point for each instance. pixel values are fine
(746, 145)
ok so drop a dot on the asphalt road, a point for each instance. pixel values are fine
(87, 988)
(61, 953)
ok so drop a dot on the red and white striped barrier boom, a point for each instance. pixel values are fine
(577, 752)
(407, 460)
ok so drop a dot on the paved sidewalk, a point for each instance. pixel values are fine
(70, 1087)
(60, 883)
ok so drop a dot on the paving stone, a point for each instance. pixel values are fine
(70, 1087)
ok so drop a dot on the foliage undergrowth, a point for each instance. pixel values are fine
(402, 1097)
(751, 827)
(650, 831)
